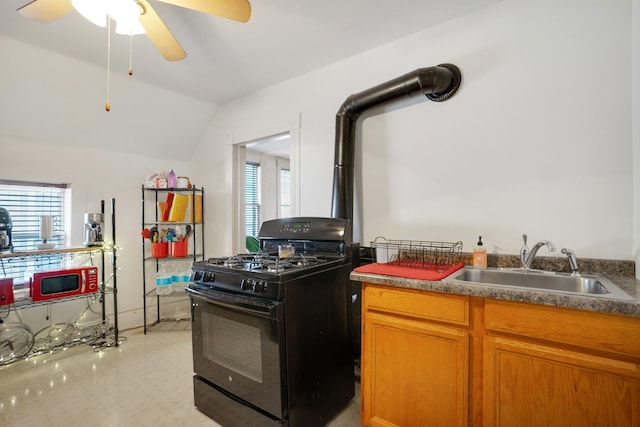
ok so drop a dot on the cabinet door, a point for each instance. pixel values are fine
(532, 385)
(415, 373)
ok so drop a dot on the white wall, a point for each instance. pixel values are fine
(51, 98)
(538, 140)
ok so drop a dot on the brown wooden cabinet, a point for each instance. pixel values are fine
(548, 366)
(415, 358)
(431, 359)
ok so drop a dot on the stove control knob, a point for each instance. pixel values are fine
(254, 286)
(245, 285)
(209, 277)
(260, 287)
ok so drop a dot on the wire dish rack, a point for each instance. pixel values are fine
(427, 255)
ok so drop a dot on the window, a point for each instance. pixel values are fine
(285, 193)
(26, 202)
(254, 190)
(252, 199)
(267, 183)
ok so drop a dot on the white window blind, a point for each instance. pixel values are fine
(252, 199)
(285, 193)
(26, 202)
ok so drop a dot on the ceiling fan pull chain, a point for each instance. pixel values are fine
(107, 106)
(130, 54)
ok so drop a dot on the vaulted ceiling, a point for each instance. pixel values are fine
(227, 59)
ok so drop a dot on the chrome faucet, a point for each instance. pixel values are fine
(573, 262)
(524, 251)
(534, 251)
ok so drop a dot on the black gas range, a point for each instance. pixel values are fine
(271, 331)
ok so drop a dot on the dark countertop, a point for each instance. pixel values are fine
(628, 284)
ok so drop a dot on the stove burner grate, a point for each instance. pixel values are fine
(265, 262)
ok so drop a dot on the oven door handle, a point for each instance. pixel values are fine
(260, 308)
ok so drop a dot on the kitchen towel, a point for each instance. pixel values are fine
(392, 269)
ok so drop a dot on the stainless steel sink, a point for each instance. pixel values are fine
(592, 285)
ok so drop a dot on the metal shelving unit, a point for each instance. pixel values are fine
(23, 301)
(151, 220)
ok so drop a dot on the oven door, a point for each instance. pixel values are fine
(238, 345)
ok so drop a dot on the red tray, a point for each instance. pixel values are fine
(391, 269)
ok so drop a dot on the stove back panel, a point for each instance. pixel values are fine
(306, 228)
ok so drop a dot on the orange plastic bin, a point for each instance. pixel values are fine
(179, 249)
(160, 250)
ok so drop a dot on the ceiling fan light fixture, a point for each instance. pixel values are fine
(139, 16)
(129, 27)
(126, 13)
(93, 10)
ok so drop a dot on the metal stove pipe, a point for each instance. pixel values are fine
(437, 83)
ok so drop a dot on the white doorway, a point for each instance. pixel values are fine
(266, 184)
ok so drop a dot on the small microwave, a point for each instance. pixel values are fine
(47, 285)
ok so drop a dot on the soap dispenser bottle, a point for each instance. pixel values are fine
(479, 254)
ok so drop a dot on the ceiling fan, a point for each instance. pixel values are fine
(157, 31)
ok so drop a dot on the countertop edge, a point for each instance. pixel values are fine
(556, 299)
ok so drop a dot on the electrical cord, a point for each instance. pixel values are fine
(3, 316)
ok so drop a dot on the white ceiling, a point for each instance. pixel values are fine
(226, 59)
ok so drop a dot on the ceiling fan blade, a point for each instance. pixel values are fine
(238, 10)
(159, 34)
(45, 10)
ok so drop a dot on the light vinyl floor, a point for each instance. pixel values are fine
(146, 381)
